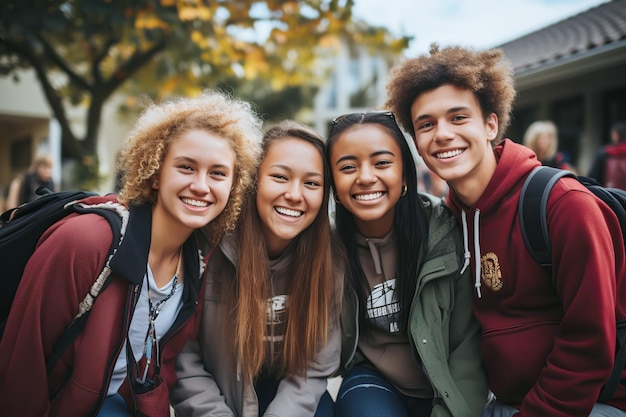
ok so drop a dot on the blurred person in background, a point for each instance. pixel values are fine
(23, 188)
(609, 167)
(542, 137)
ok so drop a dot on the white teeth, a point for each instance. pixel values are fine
(368, 197)
(195, 203)
(289, 212)
(449, 154)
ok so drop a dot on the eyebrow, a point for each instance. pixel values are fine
(308, 174)
(192, 160)
(351, 157)
(451, 110)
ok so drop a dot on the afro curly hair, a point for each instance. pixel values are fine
(485, 72)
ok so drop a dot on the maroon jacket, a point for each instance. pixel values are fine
(546, 352)
(58, 275)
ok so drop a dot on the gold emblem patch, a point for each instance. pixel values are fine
(490, 270)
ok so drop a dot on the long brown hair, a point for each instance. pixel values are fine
(312, 291)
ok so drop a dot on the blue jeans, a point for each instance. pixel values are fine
(114, 406)
(364, 392)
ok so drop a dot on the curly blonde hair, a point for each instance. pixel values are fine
(485, 72)
(142, 156)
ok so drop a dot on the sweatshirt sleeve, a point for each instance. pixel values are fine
(586, 258)
(196, 393)
(56, 278)
(299, 396)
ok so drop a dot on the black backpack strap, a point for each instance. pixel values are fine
(532, 212)
(77, 326)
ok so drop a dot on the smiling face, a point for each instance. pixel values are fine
(454, 139)
(290, 191)
(194, 182)
(366, 164)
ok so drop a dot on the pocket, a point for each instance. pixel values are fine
(149, 399)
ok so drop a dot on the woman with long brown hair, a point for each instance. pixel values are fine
(269, 335)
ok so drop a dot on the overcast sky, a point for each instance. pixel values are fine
(470, 23)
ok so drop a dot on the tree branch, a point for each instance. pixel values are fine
(60, 62)
(95, 68)
(103, 91)
(125, 71)
(56, 103)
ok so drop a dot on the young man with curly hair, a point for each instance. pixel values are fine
(548, 348)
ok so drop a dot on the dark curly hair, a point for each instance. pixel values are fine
(484, 72)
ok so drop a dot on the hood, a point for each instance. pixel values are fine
(515, 162)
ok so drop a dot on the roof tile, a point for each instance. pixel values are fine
(596, 27)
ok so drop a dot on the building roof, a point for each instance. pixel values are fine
(580, 34)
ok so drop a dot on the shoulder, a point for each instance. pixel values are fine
(83, 233)
(569, 193)
(437, 212)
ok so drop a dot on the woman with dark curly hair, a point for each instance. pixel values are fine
(187, 165)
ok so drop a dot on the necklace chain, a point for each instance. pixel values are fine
(150, 341)
(156, 308)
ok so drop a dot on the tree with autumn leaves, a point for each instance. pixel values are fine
(83, 51)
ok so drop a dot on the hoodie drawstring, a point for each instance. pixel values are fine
(466, 252)
(375, 256)
(477, 253)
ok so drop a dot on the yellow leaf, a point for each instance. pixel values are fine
(145, 21)
(186, 13)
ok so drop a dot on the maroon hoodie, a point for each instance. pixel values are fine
(547, 352)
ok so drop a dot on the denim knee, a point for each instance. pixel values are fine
(364, 392)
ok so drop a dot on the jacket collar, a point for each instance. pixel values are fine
(135, 245)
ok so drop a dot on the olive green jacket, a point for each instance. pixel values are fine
(443, 329)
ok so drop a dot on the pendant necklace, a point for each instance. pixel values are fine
(153, 313)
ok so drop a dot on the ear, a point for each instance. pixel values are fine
(155, 184)
(491, 127)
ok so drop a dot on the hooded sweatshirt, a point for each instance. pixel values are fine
(548, 349)
(210, 382)
(382, 342)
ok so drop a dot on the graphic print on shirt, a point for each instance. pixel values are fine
(276, 318)
(382, 310)
(490, 271)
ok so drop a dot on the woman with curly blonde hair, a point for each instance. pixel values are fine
(187, 165)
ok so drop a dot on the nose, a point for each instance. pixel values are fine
(294, 192)
(366, 175)
(443, 132)
(200, 185)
